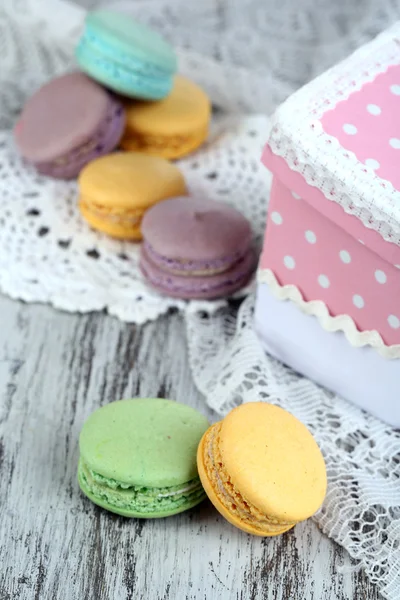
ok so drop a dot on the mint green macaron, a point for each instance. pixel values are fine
(126, 56)
(138, 457)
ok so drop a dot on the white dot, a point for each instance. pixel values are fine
(372, 163)
(289, 262)
(395, 89)
(324, 281)
(296, 196)
(397, 266)
(349, 129)
(380, 276)
(374, 109)
(358, 301)
(394, 321)
(345, 256)
(361, 242)
(395, 143)
(311, 237)
(277, 218)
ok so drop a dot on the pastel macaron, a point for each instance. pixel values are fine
(262, 469)
(172, 127)
(68, 122)
(195, 247)
(116, 190)
(138, 457)
(126, 56)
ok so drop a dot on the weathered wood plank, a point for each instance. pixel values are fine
(55, 369)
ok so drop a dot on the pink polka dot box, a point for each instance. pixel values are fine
(328, 301)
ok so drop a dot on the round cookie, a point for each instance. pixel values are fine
(126, 56)
(196, 248)
(116, 190)
(262, 469)
(138, 457)
(68, 122)
(172, 127)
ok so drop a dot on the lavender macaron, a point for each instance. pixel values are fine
(68, 122)
(195, 248)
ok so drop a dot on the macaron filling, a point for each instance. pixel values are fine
(134, 140)
(138, 499)
(195, 267)
(123, 216)
(229, 495)
(104, 140)
(210, 285)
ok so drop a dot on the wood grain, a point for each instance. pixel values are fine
(55, 369)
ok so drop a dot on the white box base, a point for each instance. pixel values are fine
(359, 375)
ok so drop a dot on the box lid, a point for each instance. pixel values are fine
(341, 133)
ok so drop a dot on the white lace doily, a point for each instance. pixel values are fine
(248, 60)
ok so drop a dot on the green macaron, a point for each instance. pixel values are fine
(138, 457)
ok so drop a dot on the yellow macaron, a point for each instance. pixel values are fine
(262, 469)
(117, 189)
(170, 128)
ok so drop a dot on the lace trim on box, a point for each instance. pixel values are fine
(318, 309)
(319, 157)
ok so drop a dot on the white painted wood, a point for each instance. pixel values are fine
(55, 369)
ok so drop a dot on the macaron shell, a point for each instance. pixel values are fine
(134, 40)
(143, 442)
(196, 228)
(229, 516)
(63, 114)
(103, 141)
(130, 180)
(172, 127)
(169, 147)
(273, 460)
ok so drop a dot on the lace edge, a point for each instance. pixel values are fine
(318, 309)
(302, 142)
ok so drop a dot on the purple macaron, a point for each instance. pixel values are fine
(67, 123)
(196, 248)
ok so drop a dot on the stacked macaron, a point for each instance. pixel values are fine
(114, 126)
(196, 248)
(129, 92)
(260, 466)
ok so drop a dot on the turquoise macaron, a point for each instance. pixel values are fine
(125, 56)
(138, 457)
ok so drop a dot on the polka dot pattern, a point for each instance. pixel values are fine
(349, 129)
(380, 276)
(310, 237)
(367, 124)
(323, 281)
(358, 301)
(326, 263)
(372, 163)
(276, 218)
(289, 262)
(374, 109)
(345, 256)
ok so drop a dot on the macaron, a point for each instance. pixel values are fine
(68, 122)
(126, 56)
(172, 127)
(116, 190)
(195, 247)
(262, 469)
(138, 457)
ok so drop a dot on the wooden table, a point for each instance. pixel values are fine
(55, 369)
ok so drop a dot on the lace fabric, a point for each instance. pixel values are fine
(248, 61)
